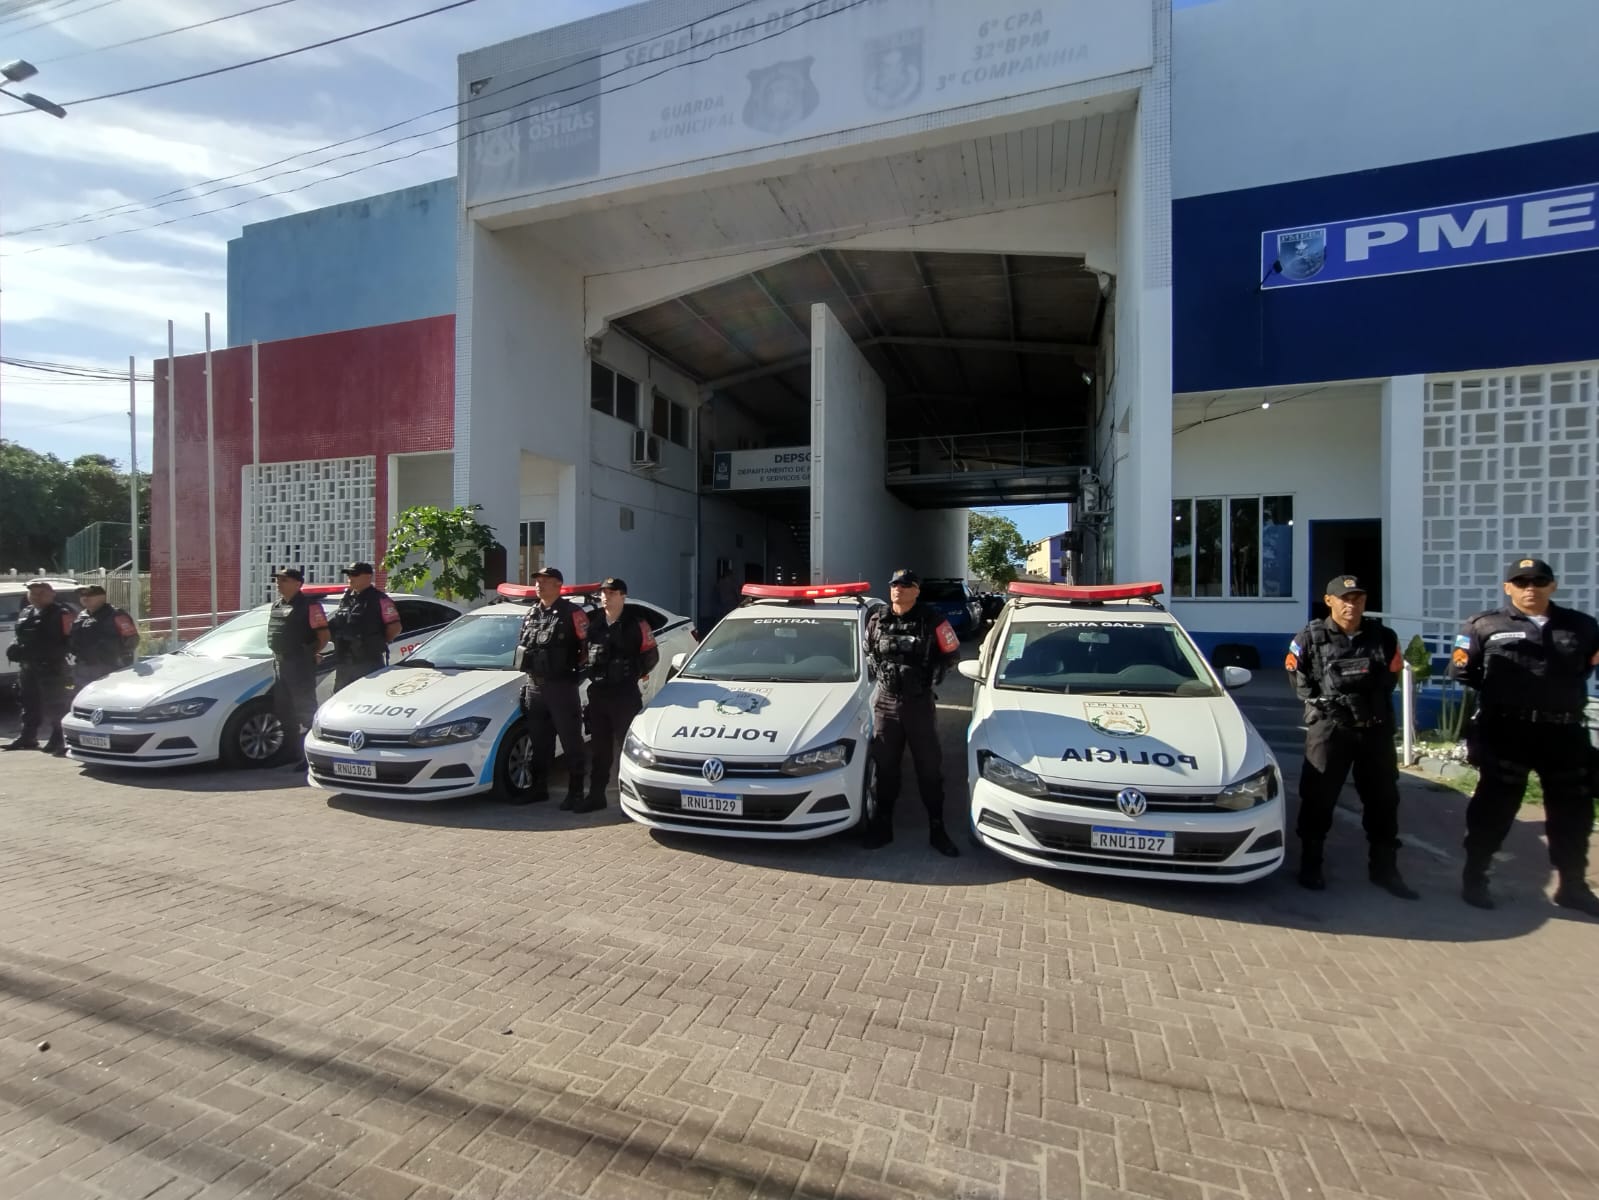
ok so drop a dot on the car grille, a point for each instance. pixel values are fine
(1074, 837)
(341, 737)
(322, 767)
(1092, 797)
(683, 764)
(109, 714)
(669, 802)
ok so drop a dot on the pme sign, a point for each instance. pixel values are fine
(1532, 225)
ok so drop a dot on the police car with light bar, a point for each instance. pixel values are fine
(765, 730)
(1102, 741)
(447, 720)
(212, 698)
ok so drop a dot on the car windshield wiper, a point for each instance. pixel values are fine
(414, 662)
(1138, 692)
(1027, 687)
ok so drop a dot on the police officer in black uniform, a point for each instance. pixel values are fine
(43, 632)
(1529, 662)
(910, 647)
(551, 649)
(622, 652)
(363, 625)
(1345, 669)
(103, 638)
(297, 629)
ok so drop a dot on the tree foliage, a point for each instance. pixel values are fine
(996, 550)
(447, 545)
(45, 500)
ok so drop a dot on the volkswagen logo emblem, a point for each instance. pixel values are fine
(97, 716)
(1131, 801)
(713, 770)
(358, 739)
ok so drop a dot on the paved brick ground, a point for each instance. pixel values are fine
(251, 991)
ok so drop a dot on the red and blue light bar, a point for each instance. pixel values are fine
(324, 589)
(1085, 593)
(527, 591)
(817, 591)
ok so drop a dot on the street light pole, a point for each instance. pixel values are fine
(16, 71)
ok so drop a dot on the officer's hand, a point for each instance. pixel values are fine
(13, 653)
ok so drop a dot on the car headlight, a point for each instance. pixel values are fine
(1008, 775)
(823, 758)
(633, 746)
(178, 710)
(1246, 793)
(449, 731)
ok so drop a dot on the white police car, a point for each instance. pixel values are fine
(1102, 741)
(447, 721)
(765, 731)
(212, 698)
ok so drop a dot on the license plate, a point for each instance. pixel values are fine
(723, 804)
(95, 741)
(1136, 841)
(354, 770)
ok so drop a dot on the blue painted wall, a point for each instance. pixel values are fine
(1227, 333)
(375, 261)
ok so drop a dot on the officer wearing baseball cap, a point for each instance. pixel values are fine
(910, 647)
(1345, 668)
(103, 637)
(1530, 663)
(44, 684)
(297, 629)
(552, 649)
(363, 625)
(622, 652)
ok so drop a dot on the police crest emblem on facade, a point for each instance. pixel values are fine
(781, 95)
(894, 69)
(1302, 252)
(1117, 720)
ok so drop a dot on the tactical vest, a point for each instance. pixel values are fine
(902, 649)
(1524, 667)
(550, 647)
(357, 627)
(612, 656)
(289, 624)
(96, 644)
(1356, 679)
(40, 639)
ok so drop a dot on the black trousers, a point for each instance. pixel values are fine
(901, 724)
(612, 708)
(45, 693)
(554, 710)
(1504, 753)
(1332, 751)
(347, 672)
(294, 693)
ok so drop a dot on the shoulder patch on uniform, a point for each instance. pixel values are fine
(1462, 642)
(1295, 648)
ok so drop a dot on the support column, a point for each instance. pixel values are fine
(1403, 406)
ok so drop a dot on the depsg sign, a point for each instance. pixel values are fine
(1530, 225)
(747, 470)
(765, 73)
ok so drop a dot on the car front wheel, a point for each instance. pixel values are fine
(513, 766)
(253, 736)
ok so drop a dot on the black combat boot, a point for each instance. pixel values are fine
(1574, 893)
(22, 743)
(595, 799)
(938, 838)
(1310, 875)
(574, 792)
(538, 790)
(56, 747)
(1474, 880)
(1385, 873)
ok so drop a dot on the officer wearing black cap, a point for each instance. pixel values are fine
(297, 629)
(552, 650)
(43, 630)
(622, 652)
(103, 638)
(910, 647)
(363, 625)
(1529, 662)
(1345, 669)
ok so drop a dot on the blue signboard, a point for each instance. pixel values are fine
(1531, 225)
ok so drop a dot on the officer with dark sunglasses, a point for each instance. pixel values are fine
(1529, 662)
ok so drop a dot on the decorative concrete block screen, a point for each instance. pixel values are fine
(316, 514)
(1509, 468)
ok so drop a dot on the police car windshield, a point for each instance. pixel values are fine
(243, 637)
(783, 647)
(1104, 658)
(476, 643)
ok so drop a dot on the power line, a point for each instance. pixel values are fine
(425, 149)
(190, 192)
(21, 10)
(253, 62)
(77, 371)
(150, 37)
(64, 16)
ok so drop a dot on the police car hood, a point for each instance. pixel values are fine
(168, 677)
(401, 699)
(1118, 741)
(758, 720)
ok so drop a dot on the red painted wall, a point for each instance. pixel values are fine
(384, 390)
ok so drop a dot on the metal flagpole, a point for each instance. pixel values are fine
(211, 466)
(172, 485)
(133, 498)
(255, 448)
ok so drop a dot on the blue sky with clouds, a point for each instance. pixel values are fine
(97, 302)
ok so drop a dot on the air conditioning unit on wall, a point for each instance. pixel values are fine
(646, 449)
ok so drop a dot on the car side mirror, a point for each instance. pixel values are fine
(1234, 677)
(676, 664)
(971, 669)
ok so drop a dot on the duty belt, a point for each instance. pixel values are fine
(1534, 716)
